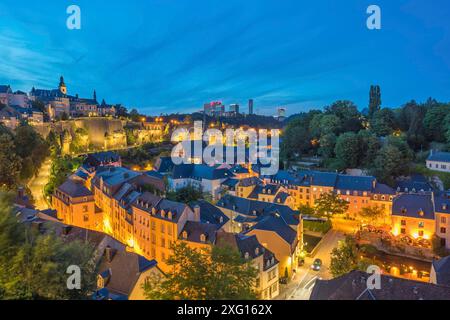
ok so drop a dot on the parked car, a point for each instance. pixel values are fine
(317, 264)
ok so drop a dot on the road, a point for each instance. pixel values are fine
(38, 183)
(302, 285)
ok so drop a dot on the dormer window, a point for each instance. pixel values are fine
(247, 256)
(153, 211)
(257, 251)
(184, 235)
(163, 214)
(169, 215)
(202, 238)
(421, 213)
(444, 206)
(404, 211)
(221, 219)
(375, 197)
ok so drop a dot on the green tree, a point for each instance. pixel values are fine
(434, 121)
(34, 265)
(330, 204)
(391, 162)
(383, 122)
(348, 150)
(10, 162)
(344, 258)
(375, 100)
(372, 213)
(216, 274)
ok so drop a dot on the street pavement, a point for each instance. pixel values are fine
(301, 285)
(38, 183)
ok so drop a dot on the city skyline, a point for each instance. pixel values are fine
(158, 56)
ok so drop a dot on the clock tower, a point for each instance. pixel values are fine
(62, 86)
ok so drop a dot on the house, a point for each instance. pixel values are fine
(275, 234)
(122, 275)
(307, 186)
(210, 214)
(413, 215)
(245, 213)
(440, 272)
(75, 206)
(439, 161)
(206, 178)
(263, 259)
(353, 286)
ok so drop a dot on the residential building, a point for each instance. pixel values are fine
(307, 186)
(276, 235)
(440, 272)
(267, 283)
(245, 213)
(422, 216)
(353, 286)
(205, 178)
(122, 275)
(439, 161)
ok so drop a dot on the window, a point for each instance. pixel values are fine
(421, 224)
(421, 233)
(85, 209)
(403, 231)
(443, 220)
(403, 222)
(86, 218)
(443, 230)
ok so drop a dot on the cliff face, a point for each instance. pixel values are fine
(102, 132)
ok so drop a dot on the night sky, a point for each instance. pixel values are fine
(164, 56)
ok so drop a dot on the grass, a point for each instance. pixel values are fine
(317, 226)
(311, 242)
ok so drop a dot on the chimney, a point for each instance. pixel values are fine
(109, 254)
(197, 213)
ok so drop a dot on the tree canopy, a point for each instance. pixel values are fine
(219, 273)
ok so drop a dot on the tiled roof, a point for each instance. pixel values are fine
(442, 202)
(210, 213)
(439, 156)
(360, 183)
(199, 171)
(74, 189)
(164, 165)
(248, 182)
(418, 206)
(231, 183)
(278, 225)
(381, 188)
(125, 270)
(353, 286)
(442, 269)
(414, 183)
(196, 229)
(251, 208)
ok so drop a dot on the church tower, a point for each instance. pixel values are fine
(62, 86)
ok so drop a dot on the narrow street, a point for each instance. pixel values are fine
(301, 286)
(38, 183)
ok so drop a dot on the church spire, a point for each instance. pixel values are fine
(95, 95)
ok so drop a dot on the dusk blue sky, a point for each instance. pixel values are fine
(164, 56)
